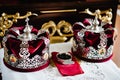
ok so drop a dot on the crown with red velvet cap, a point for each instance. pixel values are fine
(93, 40)
(26, 48)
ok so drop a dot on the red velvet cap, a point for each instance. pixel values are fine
(26, 49)
(93, 40)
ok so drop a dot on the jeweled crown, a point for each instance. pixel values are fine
(26, 49)
(93, 39)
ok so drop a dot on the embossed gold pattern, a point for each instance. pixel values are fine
(60, 32)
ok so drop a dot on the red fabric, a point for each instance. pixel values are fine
(91, 39)
(15, 48)
(34, 45)
(67, 69)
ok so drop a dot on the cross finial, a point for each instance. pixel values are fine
(26, 20)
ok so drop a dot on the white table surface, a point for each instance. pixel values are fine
(92, 71)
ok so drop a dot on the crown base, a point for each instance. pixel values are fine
(77, 54)
(27, 70)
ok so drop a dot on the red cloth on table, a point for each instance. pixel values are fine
(67, 69)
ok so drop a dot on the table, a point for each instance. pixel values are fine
(92, 71)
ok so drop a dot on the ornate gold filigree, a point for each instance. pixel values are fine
(6, 21)
(60, 32)
(50, 27)
(104, 16)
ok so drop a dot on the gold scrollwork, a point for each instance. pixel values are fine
(6, 21)
(60, 32)
(104, 16)
(50, 25)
